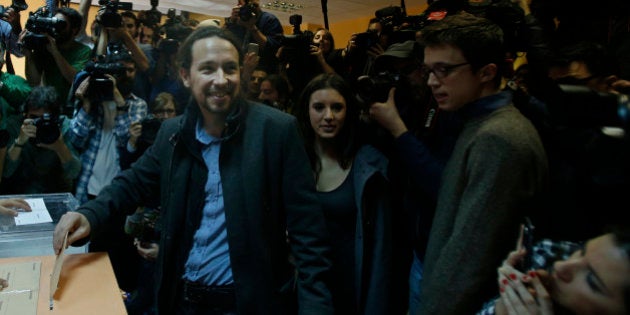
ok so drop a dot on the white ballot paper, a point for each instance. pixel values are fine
(54, 277)
(21, 295)
(39, 213)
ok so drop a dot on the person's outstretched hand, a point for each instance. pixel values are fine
(75, 225)
(10, 206)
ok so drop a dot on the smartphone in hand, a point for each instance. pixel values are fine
(252, 47)
(528, 244)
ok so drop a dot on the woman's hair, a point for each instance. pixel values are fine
(281, 85)
(621, 235)
(162, 99)
(346, 142)
(328, 35)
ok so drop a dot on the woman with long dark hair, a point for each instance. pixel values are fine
(353, 190)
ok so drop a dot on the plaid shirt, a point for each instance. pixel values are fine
(545, 253)
(86, 132)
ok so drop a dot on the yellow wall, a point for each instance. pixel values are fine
(343, 30)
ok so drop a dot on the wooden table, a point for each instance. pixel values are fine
(87, 285)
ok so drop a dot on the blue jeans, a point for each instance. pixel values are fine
(415, 284)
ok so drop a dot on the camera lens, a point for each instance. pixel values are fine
(47, 130)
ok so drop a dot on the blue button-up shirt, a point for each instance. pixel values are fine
(209, 259)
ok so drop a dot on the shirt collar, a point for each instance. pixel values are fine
(202, 136)
(487, 104)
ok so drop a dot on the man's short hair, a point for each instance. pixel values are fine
(184, 55)
(131, 15)
(74, 17)
(479, 39)
(42, 97)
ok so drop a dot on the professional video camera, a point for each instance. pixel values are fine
(17, 5)
(580, 106)
(395, 24)
(151, 17)
(47, 129)
(297, 45)
(101, 87)
(247, 11)
(175, 31)
(39, 24)
(110, 17)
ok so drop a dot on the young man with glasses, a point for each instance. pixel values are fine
(496, 171)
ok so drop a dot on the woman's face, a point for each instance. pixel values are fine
(268, 92)
(327, 113)
(167, 111)
(593, 279)
(322, 38)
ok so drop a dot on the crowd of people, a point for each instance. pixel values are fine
(232, 169)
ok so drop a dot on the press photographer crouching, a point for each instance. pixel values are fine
(40, 158)
(144, 224)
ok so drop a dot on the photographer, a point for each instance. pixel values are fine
(249, 23)
(323, 48)
(165, 75)
(57, 63)
(10, 29)
(363, 48)
(104, 115)
(40, 159)
(100, 130)
(407, 132)
(142, 132)
(143, 225)
(119, 32)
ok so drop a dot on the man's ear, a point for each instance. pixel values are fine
(488, 72)
(185, 76)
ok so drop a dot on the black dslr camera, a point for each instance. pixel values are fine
(247, 11)
(39, 24)
(143, 226)
(371, 89)
(150, 127)
(47, 129)
(110, 17)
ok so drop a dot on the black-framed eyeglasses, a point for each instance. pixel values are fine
(441, 70)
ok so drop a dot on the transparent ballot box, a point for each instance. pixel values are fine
(35, 239)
